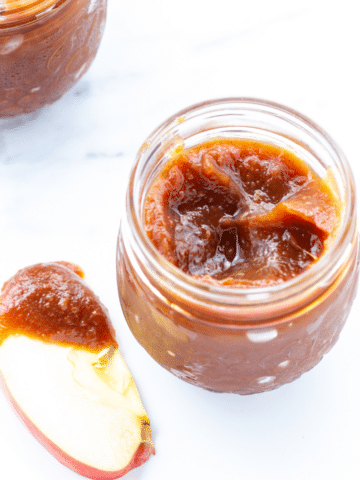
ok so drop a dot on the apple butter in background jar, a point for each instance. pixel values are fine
(45, 48)
(238, 338)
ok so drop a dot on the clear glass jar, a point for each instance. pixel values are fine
(233, 339)
(45, 47)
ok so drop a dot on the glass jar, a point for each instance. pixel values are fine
(232, 339)
(45, 48)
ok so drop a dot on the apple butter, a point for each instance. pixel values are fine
(240, 213)
(50, 301)
(237, 258)
(45, 48)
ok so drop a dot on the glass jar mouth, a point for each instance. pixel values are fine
(173, 132)
(22, 11)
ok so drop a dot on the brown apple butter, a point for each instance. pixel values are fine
(50, 301)
(45, 47)
(240, 213)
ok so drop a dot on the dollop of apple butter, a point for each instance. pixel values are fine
(240, 213)
(50, 301)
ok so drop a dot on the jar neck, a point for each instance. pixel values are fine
(243, 117)
(262, 306)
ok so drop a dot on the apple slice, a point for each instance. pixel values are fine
(81, 404)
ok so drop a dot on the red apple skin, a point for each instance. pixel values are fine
(142, 454)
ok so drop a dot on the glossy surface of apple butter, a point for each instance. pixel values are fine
(240, 213)
(51, 302)
(45, 47)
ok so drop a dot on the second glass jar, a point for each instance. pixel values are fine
(45, 48)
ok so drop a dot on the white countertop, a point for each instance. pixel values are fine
(63, 174)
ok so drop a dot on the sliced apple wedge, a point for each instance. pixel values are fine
(81, 404)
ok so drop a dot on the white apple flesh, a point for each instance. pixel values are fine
(81, 405)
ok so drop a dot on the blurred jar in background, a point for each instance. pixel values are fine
(45, 48)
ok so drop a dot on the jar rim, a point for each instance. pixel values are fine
(20, 11)
(331, 260)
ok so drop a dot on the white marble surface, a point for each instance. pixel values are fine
(63, 174)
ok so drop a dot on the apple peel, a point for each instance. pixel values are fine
(142, 454)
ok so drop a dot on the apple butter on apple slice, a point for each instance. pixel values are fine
(61, 370)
